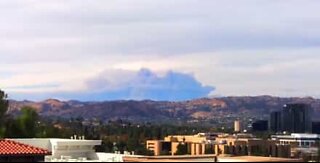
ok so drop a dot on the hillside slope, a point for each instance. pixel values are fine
(199, 109)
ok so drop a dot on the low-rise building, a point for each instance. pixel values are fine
(256, 159)
(248, 145)
(76, 150)
(206, 158)
(195, 144)
(60, 148)
(301, 144)
(220, 144)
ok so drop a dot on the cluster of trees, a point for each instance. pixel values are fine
(27, 124)
(3, 109)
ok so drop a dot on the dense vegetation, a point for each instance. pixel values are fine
(116, 135)
(25, 125)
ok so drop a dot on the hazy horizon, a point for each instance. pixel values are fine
(161, 50)
(199, 98)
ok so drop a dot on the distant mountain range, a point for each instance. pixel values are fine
(198, 109)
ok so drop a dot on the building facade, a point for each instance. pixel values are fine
(219, 144)
(67, 149)
(293, 118)
(237, 126)
(275, 122)
(316, 127)
(194, 144)
(247, 145)
(296, 118)
(301, 144)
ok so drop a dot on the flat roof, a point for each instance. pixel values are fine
(57, 139)
(298, 136)
(54, 141)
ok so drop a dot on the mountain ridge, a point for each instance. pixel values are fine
(149, 110)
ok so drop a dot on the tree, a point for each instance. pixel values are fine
(4, 104)
(27, 123)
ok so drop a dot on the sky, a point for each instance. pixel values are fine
(160, 50)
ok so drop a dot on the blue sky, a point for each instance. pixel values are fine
(161, 50)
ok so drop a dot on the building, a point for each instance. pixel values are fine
(316, 127)
(237, 126)
(76, 150)
(220, 144)
(207, 158)
(260, 126)
(293, 118)
(195, 144)
(256, 159)
(296, 118)
(301, 144)
(248, 145)
(12, 151)
(275, 122)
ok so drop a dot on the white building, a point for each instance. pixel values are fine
(298, 140)
(300, 143)
(72, 150)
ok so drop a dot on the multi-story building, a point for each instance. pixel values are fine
(195, 144)
(296, 118)
(237, 126)
(219, 144)
(275, 121)
(248, 145)
(293, 118)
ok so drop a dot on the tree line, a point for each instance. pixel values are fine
(27, 124)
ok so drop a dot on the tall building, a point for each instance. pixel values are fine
(296, 118)
(293, 118)
(237, 126)
(275, 121)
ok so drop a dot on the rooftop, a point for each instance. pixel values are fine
(298, 136)
(9, 147)
(61, 141)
